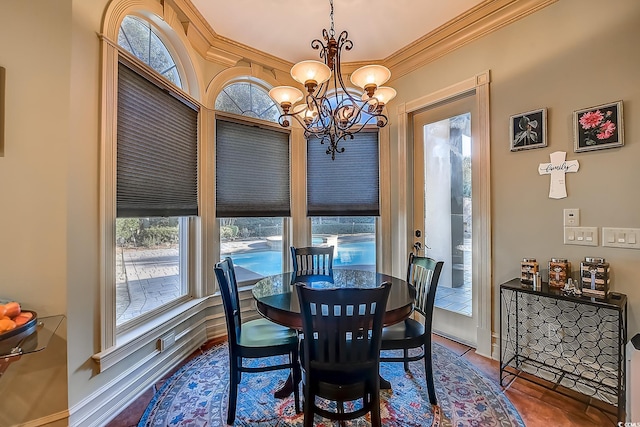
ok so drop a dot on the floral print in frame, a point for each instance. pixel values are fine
(598, 127)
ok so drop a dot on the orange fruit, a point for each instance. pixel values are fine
(23, 318)
(13, 309)
(3, 310)
(6, 325)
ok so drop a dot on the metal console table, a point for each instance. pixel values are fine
(572, 342)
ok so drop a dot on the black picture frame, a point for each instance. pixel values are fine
(528, 130)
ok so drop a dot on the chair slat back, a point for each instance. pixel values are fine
(345, 325)
(226, 276)
(424, 273)
(316, 259)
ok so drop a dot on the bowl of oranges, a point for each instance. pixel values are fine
(14, 320)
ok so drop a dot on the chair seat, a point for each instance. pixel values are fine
(403, 334)
(262, 332)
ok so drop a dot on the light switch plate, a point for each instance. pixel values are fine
(614, 237)
(571, 217)
(584, 236)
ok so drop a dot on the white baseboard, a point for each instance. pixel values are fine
(108, 401)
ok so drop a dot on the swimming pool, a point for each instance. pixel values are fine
(267, 263)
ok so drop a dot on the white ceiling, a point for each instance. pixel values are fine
(285, 28)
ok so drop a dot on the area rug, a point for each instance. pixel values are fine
(196, 396)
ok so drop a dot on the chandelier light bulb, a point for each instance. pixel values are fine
(285, 96)
(370, 77)
(306, 113)
(384, 94)
(310, 73)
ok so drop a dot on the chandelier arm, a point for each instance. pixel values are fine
(317, 44)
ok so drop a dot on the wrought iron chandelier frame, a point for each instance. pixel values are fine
(329, 111)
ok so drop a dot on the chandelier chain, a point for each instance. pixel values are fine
(332, 32)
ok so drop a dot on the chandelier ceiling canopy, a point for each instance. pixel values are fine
(328, 110)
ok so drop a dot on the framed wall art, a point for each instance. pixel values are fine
(598, 127)
(528, 130)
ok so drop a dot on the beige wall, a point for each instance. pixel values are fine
(34, 193)
(571, 55)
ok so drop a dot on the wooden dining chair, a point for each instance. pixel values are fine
(340, 350)
(423, 273)
(317, 259)
(253, 339)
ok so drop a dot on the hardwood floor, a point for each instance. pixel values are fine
(538, 406)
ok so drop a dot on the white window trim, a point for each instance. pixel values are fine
(482, 194)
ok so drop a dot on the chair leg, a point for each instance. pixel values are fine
(296, 376)
(308, 408)
(234, 380)
(428, 370)
(406, 362)
(376, 420)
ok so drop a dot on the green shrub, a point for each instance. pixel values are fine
(154, 236)
(228, 232)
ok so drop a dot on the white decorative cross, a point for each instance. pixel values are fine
(558, 168)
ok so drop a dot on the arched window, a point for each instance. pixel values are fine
(247, 99)
(156, 178)
(138, 37)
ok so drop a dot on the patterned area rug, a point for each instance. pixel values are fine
(196, 396)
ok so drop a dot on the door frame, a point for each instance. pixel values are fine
(481, 244)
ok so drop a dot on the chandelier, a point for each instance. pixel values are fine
(328, 111)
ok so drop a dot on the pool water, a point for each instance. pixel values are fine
(267, 263)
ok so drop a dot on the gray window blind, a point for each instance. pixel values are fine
(348, 185)
(252, 171)
(157, 150)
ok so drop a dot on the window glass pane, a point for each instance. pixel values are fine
(353, 237)
(148, 267)
(137, 37)
(247, 99)
(254, 244)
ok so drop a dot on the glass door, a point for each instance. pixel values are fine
(443, 203)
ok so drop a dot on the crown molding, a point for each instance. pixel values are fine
(486, 17)
(483, 19)
(220, 49)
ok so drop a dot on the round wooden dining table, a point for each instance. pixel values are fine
(277, 300)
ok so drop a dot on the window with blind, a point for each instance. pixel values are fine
(252, 182)
(343, 199)
(156, 179)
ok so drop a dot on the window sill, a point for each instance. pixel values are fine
(140, 336)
